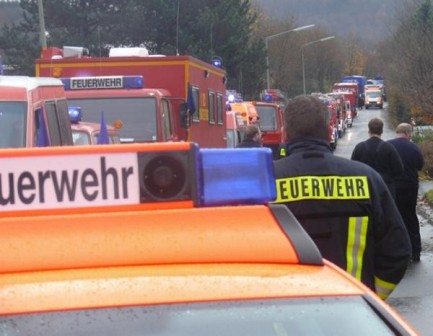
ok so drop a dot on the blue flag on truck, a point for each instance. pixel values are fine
(103, 138)
(42, 139)
(190, 100)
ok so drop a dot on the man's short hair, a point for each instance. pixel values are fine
(404, 128)
(306, 116)
(375, 126)
(251, 131)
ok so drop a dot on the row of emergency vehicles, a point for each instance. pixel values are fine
(342, 108)
(266, 113)
(155, 98)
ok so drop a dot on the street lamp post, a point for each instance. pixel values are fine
(302, 52)
(268, 38)
(42, 36)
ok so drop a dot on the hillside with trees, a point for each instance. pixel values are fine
(236, 31)
(371, 20)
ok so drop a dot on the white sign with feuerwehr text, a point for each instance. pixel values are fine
(56, 182)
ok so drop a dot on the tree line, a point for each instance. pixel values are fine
(235, 31)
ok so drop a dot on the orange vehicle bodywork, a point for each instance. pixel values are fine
(165, 252)
(248, 111)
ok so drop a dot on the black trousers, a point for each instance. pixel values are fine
(406, 199)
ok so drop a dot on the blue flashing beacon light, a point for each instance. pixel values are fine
(268, 98)
(133, 82)
(217, 62)
(75, 114)
(237, 176)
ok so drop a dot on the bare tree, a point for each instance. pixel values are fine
(408, 62)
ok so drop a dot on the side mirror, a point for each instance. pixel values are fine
(184, 117)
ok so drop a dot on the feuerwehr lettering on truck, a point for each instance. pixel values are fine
(64, 181)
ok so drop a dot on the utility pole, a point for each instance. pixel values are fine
(42, 37)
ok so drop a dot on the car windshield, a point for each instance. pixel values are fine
(298, 316)
(268, 118)
(373, 94)
(13, 120)
(80, 138)
(138, 115)
(113, 139)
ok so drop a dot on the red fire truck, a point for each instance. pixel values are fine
(344, 110)
(332, 105)
(354, 97)
(178, 98)
(271, 125)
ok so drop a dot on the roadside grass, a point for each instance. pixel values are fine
(428, 197)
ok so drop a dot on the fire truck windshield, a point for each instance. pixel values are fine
(138, 115)
(13, 120)
(268, 118)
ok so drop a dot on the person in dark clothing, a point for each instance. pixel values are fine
(379, 155)
(407, 184)
(344, 205)
(252, 137)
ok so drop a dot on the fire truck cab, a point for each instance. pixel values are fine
(181, 98)
(33, 113)
(88, 133)
(271, 125)
(147, 115)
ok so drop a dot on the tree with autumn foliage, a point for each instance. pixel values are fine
(199, 28)
(408, 64)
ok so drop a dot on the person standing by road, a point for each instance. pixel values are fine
(252, 137)
(379, 155)
(344, 205)
(408, 183)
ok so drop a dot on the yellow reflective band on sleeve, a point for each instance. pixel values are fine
(383, 288)
(300, 188)
(356, 241)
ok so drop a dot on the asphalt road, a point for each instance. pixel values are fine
(413, 297)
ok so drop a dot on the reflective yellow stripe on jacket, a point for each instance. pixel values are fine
(356, 242)
(282, 152)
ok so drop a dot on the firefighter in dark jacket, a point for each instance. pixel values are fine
(252, 137)
(344, 205)
(379, 155)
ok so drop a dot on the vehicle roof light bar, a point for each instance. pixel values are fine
(132, 177)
